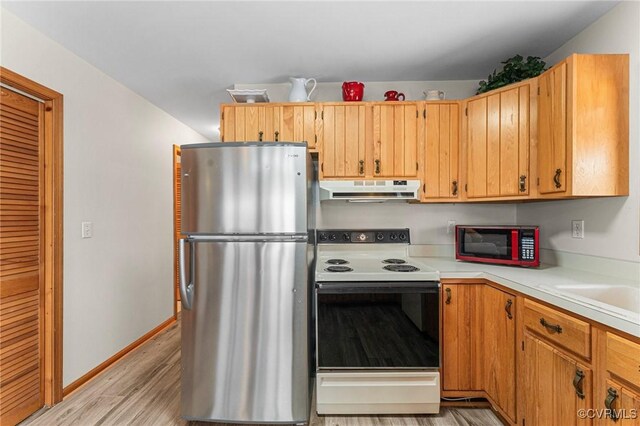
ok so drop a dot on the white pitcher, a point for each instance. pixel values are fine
(434, 95)
(299, 89)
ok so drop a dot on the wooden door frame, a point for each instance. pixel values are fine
(52, 233)
(176, 231)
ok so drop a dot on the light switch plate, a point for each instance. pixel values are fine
(87, 229)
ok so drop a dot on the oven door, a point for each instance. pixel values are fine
(377, 325)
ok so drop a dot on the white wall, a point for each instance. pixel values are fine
(611, 224)
(428, 222)
(117, 174)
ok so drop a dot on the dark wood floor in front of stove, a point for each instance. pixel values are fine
(144, 389)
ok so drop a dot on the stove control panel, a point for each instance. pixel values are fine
(366, 236)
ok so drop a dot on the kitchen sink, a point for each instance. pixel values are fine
(623, 297)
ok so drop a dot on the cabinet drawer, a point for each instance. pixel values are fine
(623, 358)
(562, 329)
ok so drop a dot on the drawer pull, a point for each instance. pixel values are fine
(377, 166)
(454, 190)
(507, 308)
(448, 291)
(260, 135)
(551, 327)
(361, 168)
(612, 394)
(577, 383)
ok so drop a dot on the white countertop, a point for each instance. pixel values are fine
(559, 286)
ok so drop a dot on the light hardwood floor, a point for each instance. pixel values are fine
(144, 389)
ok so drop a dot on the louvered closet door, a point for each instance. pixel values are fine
(21, 299)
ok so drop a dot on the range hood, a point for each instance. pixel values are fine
(369, 190)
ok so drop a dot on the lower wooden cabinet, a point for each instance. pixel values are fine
(623, 405)
(479, 344)
(462, 343)
(499, 347)
(556, 386)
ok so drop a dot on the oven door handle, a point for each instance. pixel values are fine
(378, 287)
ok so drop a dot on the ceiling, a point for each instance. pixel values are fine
(181, 56)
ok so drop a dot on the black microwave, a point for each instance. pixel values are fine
(502, 245)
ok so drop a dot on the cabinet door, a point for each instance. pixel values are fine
(396, 140)
(498, 144)
(343, 144)
(441, 151)
(462, 352)
(298, 124)
(499, 347)
(477, 148)
(514, 141)
(556, 387)
(250, 123)
(552, 130)
(623, 403)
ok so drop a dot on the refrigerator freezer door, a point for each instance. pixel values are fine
(245, 339)
(253, 188)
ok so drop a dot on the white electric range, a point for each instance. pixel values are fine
(377, 325)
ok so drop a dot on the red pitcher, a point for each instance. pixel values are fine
(352, 91)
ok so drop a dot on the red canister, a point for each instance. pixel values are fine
(352, 91)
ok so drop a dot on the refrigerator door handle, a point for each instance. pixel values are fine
(186, 290)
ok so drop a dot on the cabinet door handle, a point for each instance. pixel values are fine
(260, 134)
(454, 189)
(361, 168)
(507, 308)
(577, 383)
(377, 167)
(556, 178)
(551, 327)
(448, 300)
(277, 135)
(612, 394)
(523, 183)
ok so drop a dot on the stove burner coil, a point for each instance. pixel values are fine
(394, 261)
(401, 268)
(337, 262)
(338, 269)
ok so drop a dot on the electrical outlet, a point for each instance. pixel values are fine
(451, 226)
(87, 229)
(577, 228)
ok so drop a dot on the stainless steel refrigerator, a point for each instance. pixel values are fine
(245, 266)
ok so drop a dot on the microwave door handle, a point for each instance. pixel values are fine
(515, 244)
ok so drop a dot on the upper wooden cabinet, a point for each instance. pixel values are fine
(583, 127)
(249, 122)
(369, 140)
(396, 130)
(344, 139)
(298, 123)
(563, 134)
(498, 142)
(441, 147)
(269, 123)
